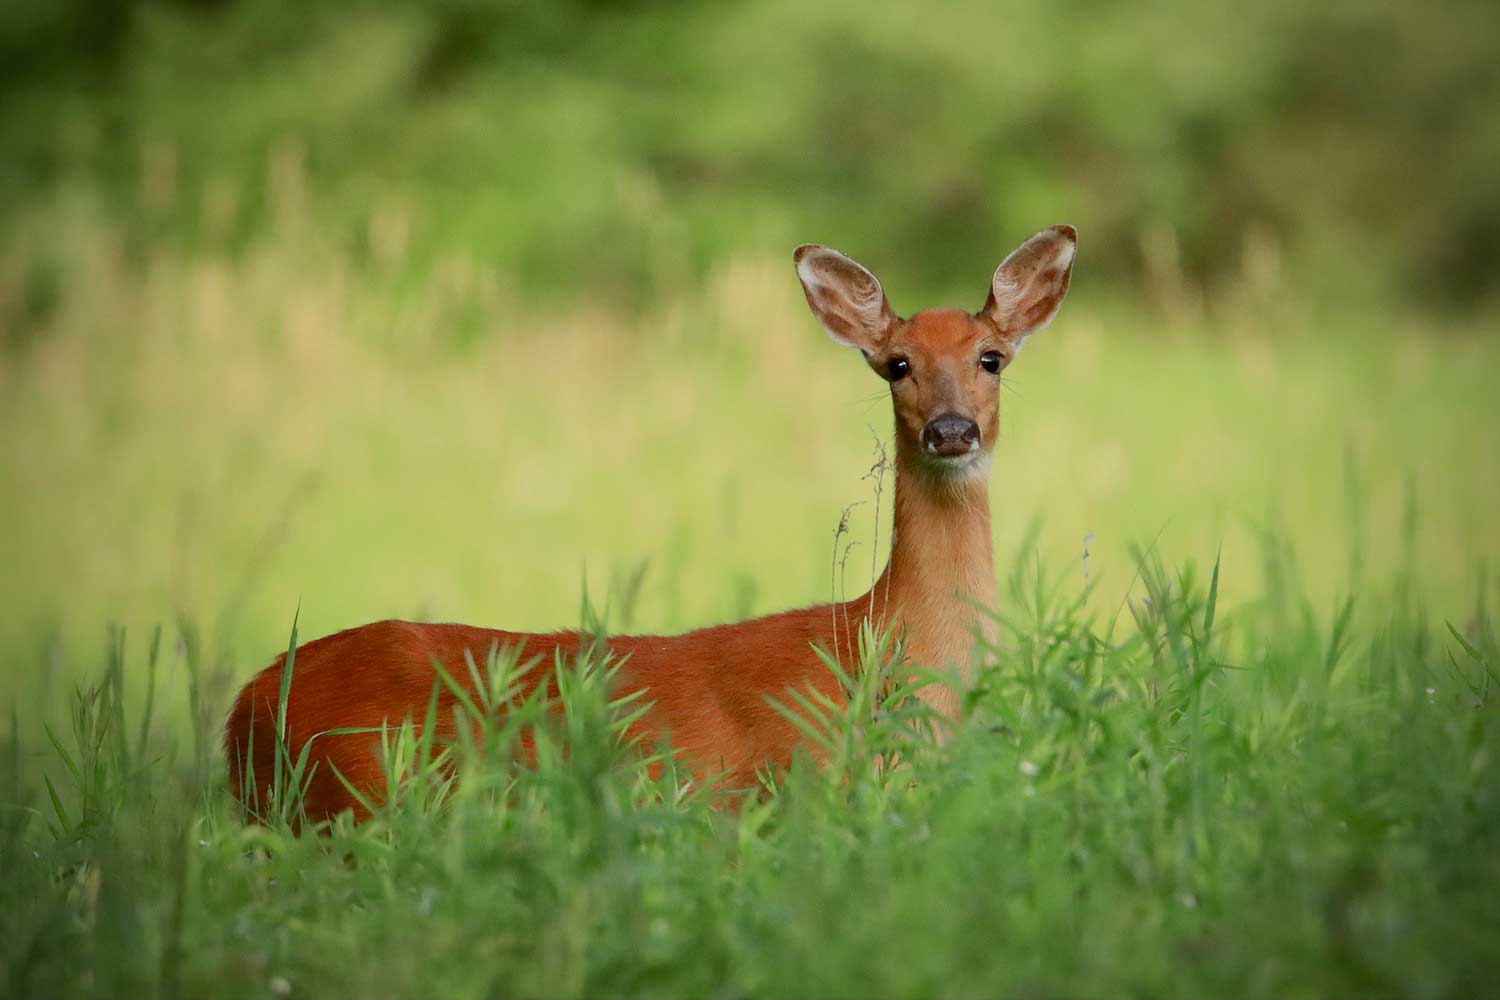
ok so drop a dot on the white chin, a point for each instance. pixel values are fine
(956, 465)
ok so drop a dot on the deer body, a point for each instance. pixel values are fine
(708, 688)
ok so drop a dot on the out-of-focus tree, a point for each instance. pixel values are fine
(1353, 143)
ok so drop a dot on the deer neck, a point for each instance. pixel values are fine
(938, 590)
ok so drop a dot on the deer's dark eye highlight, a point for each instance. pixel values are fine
(897, 369)
(990, 361)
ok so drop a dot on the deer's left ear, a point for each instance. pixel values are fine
(1028, 287)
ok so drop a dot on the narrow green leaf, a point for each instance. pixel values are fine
(284, 696)
(1213, 598)
(57, 806)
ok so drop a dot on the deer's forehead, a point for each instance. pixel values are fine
(938, 333)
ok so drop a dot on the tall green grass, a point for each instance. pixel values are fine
(1185, 796)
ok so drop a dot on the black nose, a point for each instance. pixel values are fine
(950, 434)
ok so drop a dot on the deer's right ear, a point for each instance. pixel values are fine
(845, 297)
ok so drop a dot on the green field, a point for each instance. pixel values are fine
(1278, 783)
(323, 313)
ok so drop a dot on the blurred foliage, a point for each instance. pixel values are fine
(613, 149)
(218, 435)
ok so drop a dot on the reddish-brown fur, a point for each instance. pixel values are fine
(702, 694)
(708, 688)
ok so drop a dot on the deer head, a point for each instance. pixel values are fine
(943, 365)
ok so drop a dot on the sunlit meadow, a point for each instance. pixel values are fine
(220, 439)
(1238, 737)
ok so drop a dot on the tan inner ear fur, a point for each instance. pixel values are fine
(845, 296)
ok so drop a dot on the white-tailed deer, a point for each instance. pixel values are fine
(708, 688)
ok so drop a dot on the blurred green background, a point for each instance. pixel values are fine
(441, 309)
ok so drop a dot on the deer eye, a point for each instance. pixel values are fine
(897, 369)
(990, 361)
